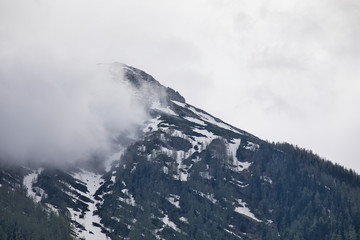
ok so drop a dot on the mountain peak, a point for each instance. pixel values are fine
(138, 78)
(189, 175)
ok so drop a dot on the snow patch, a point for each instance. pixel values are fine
(133, 168)
(130, 200)
(242, 209)
(209, 196)
(51, 208)
(174, 200)
(179, 103)
(238, 183)
(266, 179)
(206, 117)
(269, 221)
(232, 233)
(252, 146)
(179, 156)
(236, 165)
(166, 222)
(93, 182)
(169, 223)
(157, 106)
(195, 120)
(34, 193)
(152, 125)
(184, 220)
(113, 178)
(183, 176)
(205, 175)
(208, 135)
(233, 147)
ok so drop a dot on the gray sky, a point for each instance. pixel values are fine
(282, 70)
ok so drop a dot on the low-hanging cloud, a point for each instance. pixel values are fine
(56, 110)
(255, 64)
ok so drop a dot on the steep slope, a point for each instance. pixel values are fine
(190, 175)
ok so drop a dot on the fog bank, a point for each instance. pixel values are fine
(56, 110)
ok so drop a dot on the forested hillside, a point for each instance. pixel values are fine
(22, 219)
(186, 175)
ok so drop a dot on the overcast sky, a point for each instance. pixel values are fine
(281, 70)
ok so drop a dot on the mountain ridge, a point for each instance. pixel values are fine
(189, 175)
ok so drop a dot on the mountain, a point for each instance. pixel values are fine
(188, 175)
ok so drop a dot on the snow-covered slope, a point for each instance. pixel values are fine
(187, 175)
(186, 138)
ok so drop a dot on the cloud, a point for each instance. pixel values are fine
(255, 64)
(55, 110)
